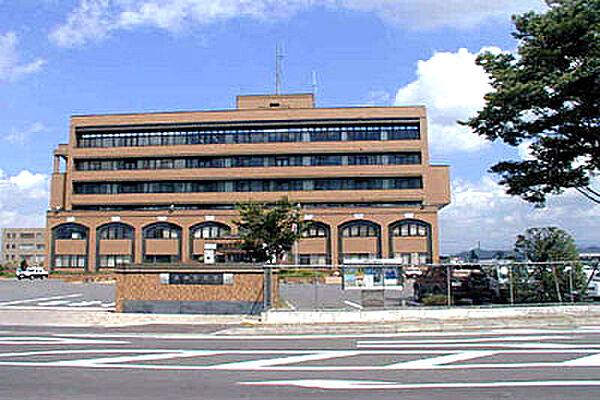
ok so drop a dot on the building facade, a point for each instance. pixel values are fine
(27, 244)
(161, 188)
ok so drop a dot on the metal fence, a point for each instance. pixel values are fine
(368, 285)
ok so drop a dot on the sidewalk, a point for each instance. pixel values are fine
(280, 322)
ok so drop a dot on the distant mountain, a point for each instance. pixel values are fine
(483, 254)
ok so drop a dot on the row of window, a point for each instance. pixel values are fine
(69, 261)
(248, 161)
(165, 207)
(213, 230)
(256, 135)
(248, 185)
(24, 235)
(25, 246)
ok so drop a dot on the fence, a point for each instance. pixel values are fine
(381, 285)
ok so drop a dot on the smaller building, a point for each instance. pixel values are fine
(27, 244)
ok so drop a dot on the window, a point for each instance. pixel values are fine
(162, 231)
(70, 232)
(27, 235)
(169, 136)
(69, 261)
(313, 259)
(360, 230)
(412, 258)
(411, 228)
(314, 231)
(115, 232)
(114, 260)
(211, 231)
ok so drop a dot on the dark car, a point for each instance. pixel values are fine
(472, 284)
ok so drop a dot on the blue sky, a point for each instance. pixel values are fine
(64, 57)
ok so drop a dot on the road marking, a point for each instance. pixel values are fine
(20, 340)
(333, 384)
(85, 303)
(354, 305)
(68, 296)
(470, 340)
(192, 336)
(426, 363)
(262, 364)
(478, 345)
(57, 308)
(441, 361)
(54, 303)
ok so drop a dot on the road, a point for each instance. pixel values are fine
(203, 362)
(53, 294)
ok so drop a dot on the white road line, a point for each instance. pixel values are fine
(93, 362)
(470, 340)
(193, 336)
(85, 303)
(20, 340)
(68, 296)
(354, 305)
(292, 357)
(54, 303)
(427, 363)
(271, 362)
(333, 384)
(479, 345)
(56, 308)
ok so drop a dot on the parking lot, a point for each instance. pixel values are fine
(56, 294)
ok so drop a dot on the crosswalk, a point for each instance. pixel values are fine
(63, 302)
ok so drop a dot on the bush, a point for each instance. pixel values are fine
(435, 300)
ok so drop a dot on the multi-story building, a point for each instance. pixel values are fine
(27, 244)
(162, 187)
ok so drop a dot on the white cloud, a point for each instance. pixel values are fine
(23, 199)
(93, 20)
(482, 211)
(452, 87)
(21, 136)
(11, 67)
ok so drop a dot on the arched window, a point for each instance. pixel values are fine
(410, 227)
(152, 252)
(162, 230)
(70, 232)
(69, 257)
(358, 229)
(115, 231)
(210, 230)
(315, 230)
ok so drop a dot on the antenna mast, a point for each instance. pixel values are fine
(278, 59)
(314, 83)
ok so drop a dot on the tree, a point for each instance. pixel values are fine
(549, 96)
(548, 282)
(268, 233)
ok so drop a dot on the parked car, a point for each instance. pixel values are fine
(32, 272)
(473, 284)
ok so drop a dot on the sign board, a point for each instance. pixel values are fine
(358, 276)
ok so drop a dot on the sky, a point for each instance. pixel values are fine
(64, 57)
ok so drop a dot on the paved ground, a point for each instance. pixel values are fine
(55, 294)
(129, 364)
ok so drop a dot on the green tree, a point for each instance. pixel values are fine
(549, 96)
(548, 282)
(267, 233)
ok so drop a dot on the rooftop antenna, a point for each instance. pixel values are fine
(278, 59)
(314, 83)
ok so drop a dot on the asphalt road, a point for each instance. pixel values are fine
(206, 363)
(55, 294)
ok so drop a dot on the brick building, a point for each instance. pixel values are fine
(23, 244)
(161, 188)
